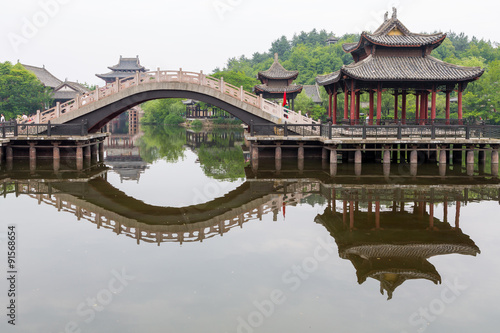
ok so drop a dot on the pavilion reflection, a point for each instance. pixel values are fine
(391, 242)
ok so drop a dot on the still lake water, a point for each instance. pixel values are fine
(176, 233)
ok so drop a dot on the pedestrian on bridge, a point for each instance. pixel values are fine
(2, 118)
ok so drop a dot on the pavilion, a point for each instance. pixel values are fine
(126, 67)
(276, 81)
(398, 61)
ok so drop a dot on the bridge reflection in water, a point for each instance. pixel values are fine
(387, 231)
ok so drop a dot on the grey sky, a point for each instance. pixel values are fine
(76, 39)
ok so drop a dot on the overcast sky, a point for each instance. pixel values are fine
(76, 39)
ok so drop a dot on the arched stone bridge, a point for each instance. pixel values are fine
(103, 104)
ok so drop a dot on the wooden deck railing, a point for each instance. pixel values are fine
(171, 76)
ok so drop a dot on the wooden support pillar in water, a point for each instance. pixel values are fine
(79, 157)
(32, 151)
(358, 156)
(277, 152)
(442, 155)
(255, 152)
(300, 154)
(387, 155)
(87, 153)
(333, 156)
(101, 151)
(470, 155)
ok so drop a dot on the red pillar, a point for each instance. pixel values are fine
(422, 107)
(371, 107)
(447, 107)
(334, 115)
(396, 104)
(379, 103)
(346, 104)
(329, 104)
(460, 101)
(358, 94)
(403, 107)
(353, 102)
(417, 110)
(426, 105)
(433, 103)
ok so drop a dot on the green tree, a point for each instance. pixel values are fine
(237, 79)
(163, 111)
(20, 91)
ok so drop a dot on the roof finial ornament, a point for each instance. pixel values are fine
(276, 57)
(394, 13)
(386, 16)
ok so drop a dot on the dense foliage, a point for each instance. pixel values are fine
(163, 111)
(309, 54)
(20, 91)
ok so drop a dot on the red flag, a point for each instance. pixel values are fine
(284, 98)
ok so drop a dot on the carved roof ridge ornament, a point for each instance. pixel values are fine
(394, 13)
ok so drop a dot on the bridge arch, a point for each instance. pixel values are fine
(100, 106)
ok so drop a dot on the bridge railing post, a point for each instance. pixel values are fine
(433, 131)
(49, 128)
(467, 132)
(285, 130)
(37, 119)
(15, 127)
(222, 84)
(242, 93)
(58, 107)
(96, 93)
(158, 74)
(400, 132)
(364, 130)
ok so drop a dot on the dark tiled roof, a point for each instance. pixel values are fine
(327, 79)
(116, 74)
(64, 95)
(382, 36)
(128, 64)
(402, 69)
(77, 87)
(277, 71)
(313, 92)
(278, 90)
(409, 69)
(411, 40)
(44, 76)
(348, 47)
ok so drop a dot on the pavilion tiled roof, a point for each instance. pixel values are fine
(404, 38)
(128, 64)
(44, 76)
(293, 88)
(116, 74)
(277, 71)
(409, 69)
(378, 68)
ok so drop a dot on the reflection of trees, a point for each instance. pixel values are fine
(162, 142)
(220, 159)
(222, 162)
